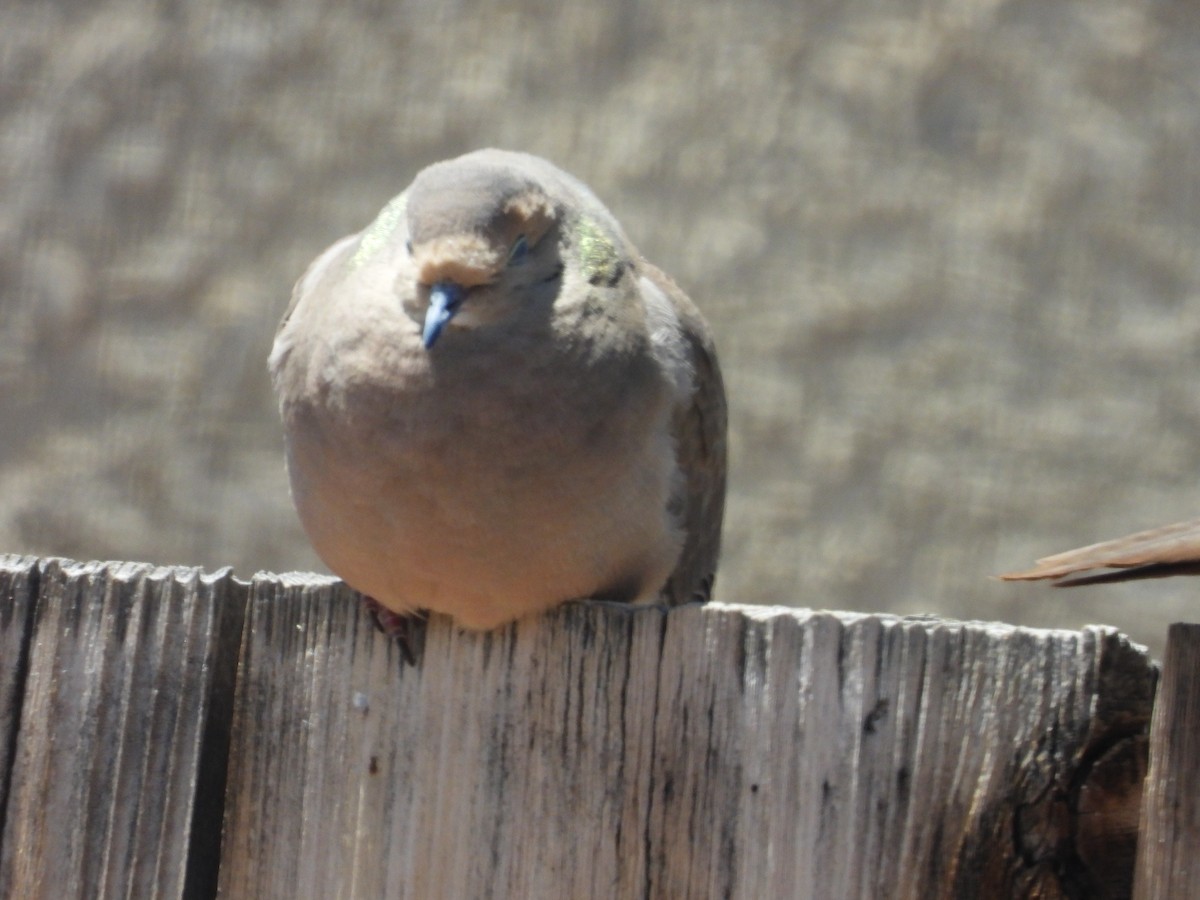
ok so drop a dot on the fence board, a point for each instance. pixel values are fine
(598, 751)
(18, 595)
(711, 751)
(1168, 863)
(129, 680)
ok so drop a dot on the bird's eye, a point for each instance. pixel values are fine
(520, 249)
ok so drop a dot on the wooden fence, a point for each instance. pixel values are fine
(168, 733)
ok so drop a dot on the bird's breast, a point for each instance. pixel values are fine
(511, 481)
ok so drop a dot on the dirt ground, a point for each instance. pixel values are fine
(948, 251)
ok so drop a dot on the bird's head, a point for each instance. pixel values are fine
(483, 240)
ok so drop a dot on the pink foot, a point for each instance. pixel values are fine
(406, 629)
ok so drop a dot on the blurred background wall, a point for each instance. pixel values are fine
(949, 251)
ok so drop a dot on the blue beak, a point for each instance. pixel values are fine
(445, 297)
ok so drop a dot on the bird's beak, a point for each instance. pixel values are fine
(445, 297)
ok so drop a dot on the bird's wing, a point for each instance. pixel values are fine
(1175, 546)
(699, 427)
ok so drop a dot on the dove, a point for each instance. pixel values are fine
(493, 404)
(1155, 553)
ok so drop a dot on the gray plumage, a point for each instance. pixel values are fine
(493, 404)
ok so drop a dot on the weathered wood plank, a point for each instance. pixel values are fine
(18, 596)
(1168, 862)
(119, 755)
(706, 752)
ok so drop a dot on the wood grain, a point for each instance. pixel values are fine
(1168, 861)
(118, 756)
(713, 751)
(599, 751)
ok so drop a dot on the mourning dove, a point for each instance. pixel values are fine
(492, 403)
(1158, 552)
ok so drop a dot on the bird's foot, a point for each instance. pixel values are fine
(406, 629)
